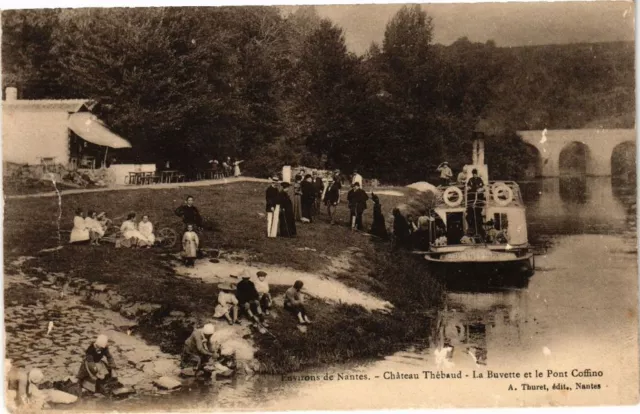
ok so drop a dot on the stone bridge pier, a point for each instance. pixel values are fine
(593, 148)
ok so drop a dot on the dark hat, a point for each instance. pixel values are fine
(261, 274)
(285, 184)
(355, 184)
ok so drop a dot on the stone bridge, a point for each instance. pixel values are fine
(589, 151)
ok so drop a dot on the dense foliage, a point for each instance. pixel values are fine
(193, 84)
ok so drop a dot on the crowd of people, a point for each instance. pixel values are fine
(310, 191)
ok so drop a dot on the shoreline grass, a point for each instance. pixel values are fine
(339, 333)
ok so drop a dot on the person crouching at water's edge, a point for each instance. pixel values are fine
(198, 349)
(94, 367)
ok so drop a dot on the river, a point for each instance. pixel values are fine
(578, 312)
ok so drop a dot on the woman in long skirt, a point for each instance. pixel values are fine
(190, 243)
(297, 199)
(80, 232)
(287, 224)
(378, 227)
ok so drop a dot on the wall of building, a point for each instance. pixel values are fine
(31, 135)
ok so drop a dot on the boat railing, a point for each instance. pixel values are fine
(496, 193)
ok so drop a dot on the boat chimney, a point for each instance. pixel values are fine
(478, 148)
(11, 94)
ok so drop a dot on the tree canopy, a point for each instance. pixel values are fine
(192, 84)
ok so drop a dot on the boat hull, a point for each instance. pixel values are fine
(514, 272)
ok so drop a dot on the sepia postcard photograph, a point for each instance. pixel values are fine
(318, 206)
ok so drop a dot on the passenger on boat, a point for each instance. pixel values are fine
(475, 202)
(80, 232)
(462, 178)
(445, 173)
(490, 232)
(441, 241)
(468, 238)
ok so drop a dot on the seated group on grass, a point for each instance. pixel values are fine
(89, 228)
(92, 228)
(253, 299)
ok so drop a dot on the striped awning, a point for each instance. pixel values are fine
(91, 129)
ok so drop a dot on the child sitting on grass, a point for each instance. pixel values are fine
(294, 302)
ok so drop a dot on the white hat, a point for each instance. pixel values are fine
(102, 341)
(36, 376)
(208, 329)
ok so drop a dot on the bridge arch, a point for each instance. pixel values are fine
(623, 160)
(581, 151)
(574, 159)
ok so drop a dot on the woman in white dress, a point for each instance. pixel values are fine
(95, 228)
(80, 232)
(130, 231)
(236, 168)
(146, 228)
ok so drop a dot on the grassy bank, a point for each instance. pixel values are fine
(339, 333)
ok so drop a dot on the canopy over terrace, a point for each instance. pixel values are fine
(90, 128)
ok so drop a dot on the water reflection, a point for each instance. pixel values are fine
(573, 190)
(578, 205)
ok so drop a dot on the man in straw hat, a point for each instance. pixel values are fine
(445, 173)
(227, 304)
(198, 348)
(272, 202)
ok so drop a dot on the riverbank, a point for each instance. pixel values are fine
(149, 287)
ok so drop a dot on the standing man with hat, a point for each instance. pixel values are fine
(332, 196)
(287, 223)
(272, 201)
(445, 173)
(357, 199)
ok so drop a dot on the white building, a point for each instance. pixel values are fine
(60, 132)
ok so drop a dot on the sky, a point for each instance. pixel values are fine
(508, 24)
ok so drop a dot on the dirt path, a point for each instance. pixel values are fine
(317, 285)
(202, 183)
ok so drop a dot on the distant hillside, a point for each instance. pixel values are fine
(565, 86)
